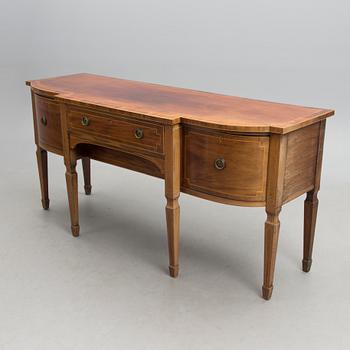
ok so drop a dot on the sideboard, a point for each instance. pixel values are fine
(226, 149)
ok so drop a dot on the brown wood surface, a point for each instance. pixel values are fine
(70, 161)
(269, 153)
(274, 199)
(142, 163)
(172, 193)
(311, 204)
(86, 163)
(48, 137)
(48, 123)
(243, 177)
(118, 129)
(41, 156)
(302, 147)
(174, 105)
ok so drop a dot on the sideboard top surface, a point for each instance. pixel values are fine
(171, 105)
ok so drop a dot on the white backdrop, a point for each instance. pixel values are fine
(56, 293)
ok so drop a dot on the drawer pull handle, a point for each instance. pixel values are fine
(43, 120)
(220, 163)
(85, 121)
(138, 133)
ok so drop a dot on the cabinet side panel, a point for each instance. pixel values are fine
(301, 159)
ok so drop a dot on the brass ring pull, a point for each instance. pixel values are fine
(85, 121)
(138, 133)
(220, 164)
(43, 120)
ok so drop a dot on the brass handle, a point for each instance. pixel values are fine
(138, 133)
(43, 120)
(220, 163)
(85, 121)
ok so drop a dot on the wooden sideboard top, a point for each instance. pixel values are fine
(171, 105)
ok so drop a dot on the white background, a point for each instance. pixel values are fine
(109, 289)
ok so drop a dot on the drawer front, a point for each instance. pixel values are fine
(48, 123)
(228, 166)
(143, 135)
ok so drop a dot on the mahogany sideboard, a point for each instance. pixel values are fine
(226, 149)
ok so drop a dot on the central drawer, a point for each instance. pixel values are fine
(124, 131)
(223, 165)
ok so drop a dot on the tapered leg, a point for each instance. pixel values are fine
(87, 174)
(172, 193)
(272, 228)
(72, 190)
(41, 156)
(173, 219)
(274, 201)
(310, 215)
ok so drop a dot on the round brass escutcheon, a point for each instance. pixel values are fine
(138, 133)
(85, 121)
(43, 120)
(220, 163)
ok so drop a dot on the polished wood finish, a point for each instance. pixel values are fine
(243, 177)
(48, 137)
(117, 129)
(301, 160)
(172, 193)
(226, 149)
(170, 105)
(142, 163)
(274, 196)
(70, 161)
(48, 124)
(41, 156)
(86, 163)
(311, 204)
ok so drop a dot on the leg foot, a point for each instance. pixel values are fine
(307, 265)
(173, 271)
(87, 174)
(310, 215)
(45, 203)
(75, 230)
(87, 190)
(267, 292)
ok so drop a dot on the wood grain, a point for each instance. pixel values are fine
(274, 196)
(311, 204)
(175, 105)
(41, 156)
(86, 163)
(130, 160)
(70, 161)
(117, 128)
(48, 123)
(244, 175)
(222, 148)
(302, 146)
(172, 193)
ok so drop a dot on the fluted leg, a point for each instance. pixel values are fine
(41, 156)
(87, 174)
(310, 215)
(72, 189)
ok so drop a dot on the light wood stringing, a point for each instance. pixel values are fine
(273, 151)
